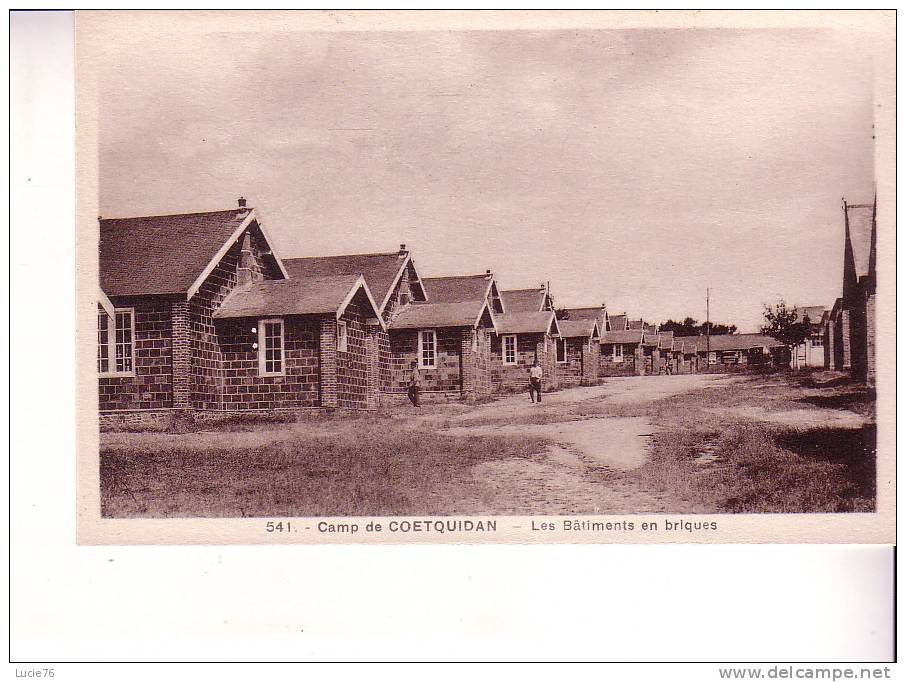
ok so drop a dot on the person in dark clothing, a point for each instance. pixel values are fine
(415, 381)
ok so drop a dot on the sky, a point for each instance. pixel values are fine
(636, 168)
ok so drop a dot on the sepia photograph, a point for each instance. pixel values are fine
(450, 277)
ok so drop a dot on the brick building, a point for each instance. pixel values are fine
(849, 331)
(621, 353)
(576, 351)
(448, 337)
(198, 316)
(393, 280)
(525, 332)
(728, 352)
(520, 339)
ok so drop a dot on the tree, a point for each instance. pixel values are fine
(690, 327)
(783, 323)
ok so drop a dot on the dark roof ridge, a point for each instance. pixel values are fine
(344, 255)
(247, 209)
(483, 275)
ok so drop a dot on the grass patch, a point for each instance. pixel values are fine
(372, 469)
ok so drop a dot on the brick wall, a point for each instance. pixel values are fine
(475, 348)
(151, 387)
(570, 373)
(629, 366)
(181, 332)
(404, 351)
(385, 374)
(352, 365)
(243, 388)
(327, 357)
(207, 373)
(591, 350)
(515, 377)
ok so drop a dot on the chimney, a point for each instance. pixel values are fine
(603, 306)
(241, 202)
(244, 274)
(487, 274)
(403, 253)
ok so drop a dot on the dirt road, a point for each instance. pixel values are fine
(581, 469)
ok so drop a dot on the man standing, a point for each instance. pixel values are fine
(535, 375)
(415, 381)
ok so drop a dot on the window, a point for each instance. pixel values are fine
(509, 349)
(561, 350)
(116, 348)
(342, 339)
(427, 348)
(270, 347)
(817, 342)
(618, 352)
(475, 333)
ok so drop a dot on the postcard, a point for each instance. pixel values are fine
(485, 277)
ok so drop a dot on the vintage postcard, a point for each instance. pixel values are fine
(485, 277)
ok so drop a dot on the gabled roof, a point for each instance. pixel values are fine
(381, 270)
(170, 254)
(296, 296)
(729, 342)
(458, 289)
(665, 340)
(618, 322)
(860, 223)
(622, 336)
(813, 312)
(536, 322)
(430, 315)
(635, 324)
(571, 329)
(592, 313)
(523, 300)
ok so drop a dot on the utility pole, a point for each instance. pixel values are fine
(708, 323)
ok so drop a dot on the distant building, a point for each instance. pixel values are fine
(849, 328)
(810, 353)
(723, 352)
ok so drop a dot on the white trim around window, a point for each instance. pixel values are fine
(271, 345)
(509, 349)
(560, 345)
(427, 349)
(116, 343)
(342, 336)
